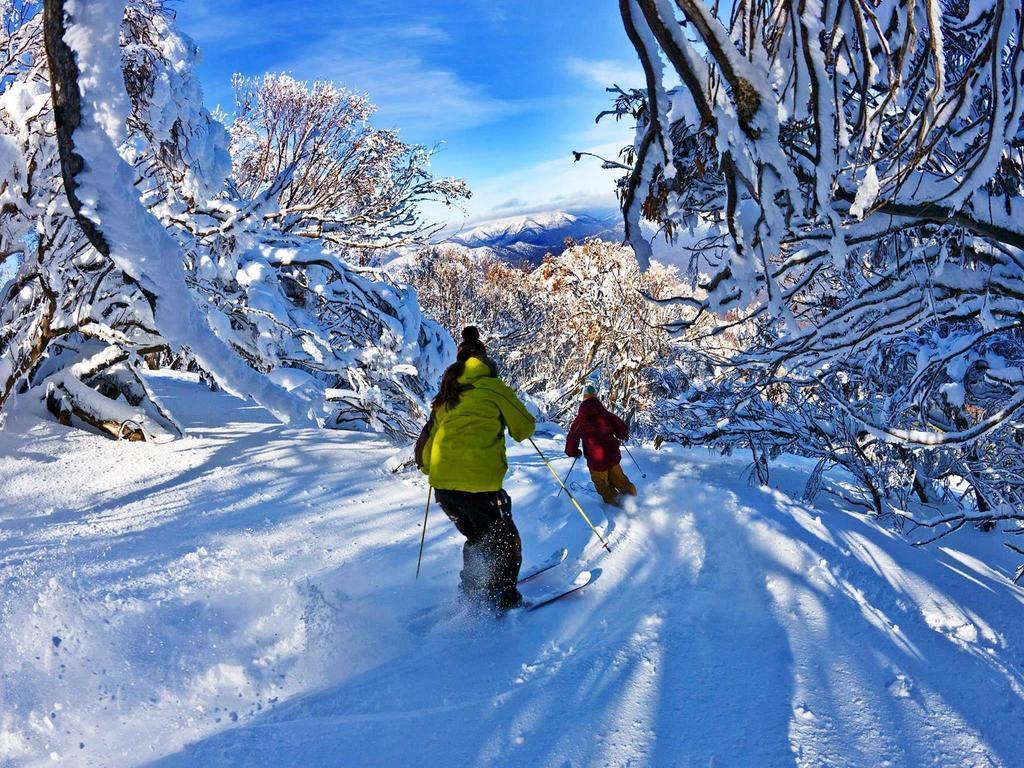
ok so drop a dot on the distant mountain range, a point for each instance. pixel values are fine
(532, 236)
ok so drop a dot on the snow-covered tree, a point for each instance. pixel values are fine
(458, 287)
(133, 247)
(354, 186)
(857, 168)
(68, 318)
(603, 323)
(584, 316)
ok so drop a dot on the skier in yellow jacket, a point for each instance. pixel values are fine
(462, 451)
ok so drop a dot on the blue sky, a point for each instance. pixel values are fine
(510, 86)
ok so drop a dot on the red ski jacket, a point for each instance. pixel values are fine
(600, 430)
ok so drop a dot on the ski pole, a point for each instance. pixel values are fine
(423, 536)
(569, 494)
(642, 473)
(567, 476)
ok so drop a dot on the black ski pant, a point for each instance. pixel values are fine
(493, 552)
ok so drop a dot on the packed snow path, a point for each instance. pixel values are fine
(243, 597)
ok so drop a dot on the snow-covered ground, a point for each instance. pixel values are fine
(244, 596)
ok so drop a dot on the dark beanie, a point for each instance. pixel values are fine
(471, 346)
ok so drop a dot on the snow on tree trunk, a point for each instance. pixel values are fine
(90, 106)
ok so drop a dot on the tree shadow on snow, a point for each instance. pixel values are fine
(732, 625)
(642, 666)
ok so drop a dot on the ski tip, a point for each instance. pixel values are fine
(582, 579)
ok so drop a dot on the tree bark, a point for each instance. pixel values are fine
(67, 112)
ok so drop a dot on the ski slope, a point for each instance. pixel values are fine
(244, 597)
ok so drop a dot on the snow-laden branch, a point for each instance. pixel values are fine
(926, 439)
(162, 261)
(83, 50)
(847, 190)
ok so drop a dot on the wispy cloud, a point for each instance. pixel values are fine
(367, 47)
(230, 26)
(557, 183)
(494, 12)
(512, 204)
(498, 79)
(603, 73)
(392, 65)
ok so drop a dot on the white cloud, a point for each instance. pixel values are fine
(369, 48)
(405, 65)
(231, 25)
(425, 100)
(604, 73)
(557, 183)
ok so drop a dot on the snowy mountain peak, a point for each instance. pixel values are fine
(531, 236)
(515, 226)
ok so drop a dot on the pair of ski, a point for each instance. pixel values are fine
(555, 593)
(425, 619)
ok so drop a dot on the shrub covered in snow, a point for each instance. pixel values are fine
(135, 246)
(585, 315)
(355, 187)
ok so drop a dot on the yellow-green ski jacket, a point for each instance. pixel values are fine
(465, 446)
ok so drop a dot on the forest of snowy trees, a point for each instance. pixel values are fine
(587, 315)
(222, 329)
(843, 182)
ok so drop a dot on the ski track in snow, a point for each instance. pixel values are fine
(243, 597)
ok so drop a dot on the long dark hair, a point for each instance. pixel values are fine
(449, 393)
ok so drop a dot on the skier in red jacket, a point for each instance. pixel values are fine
(601, 432)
